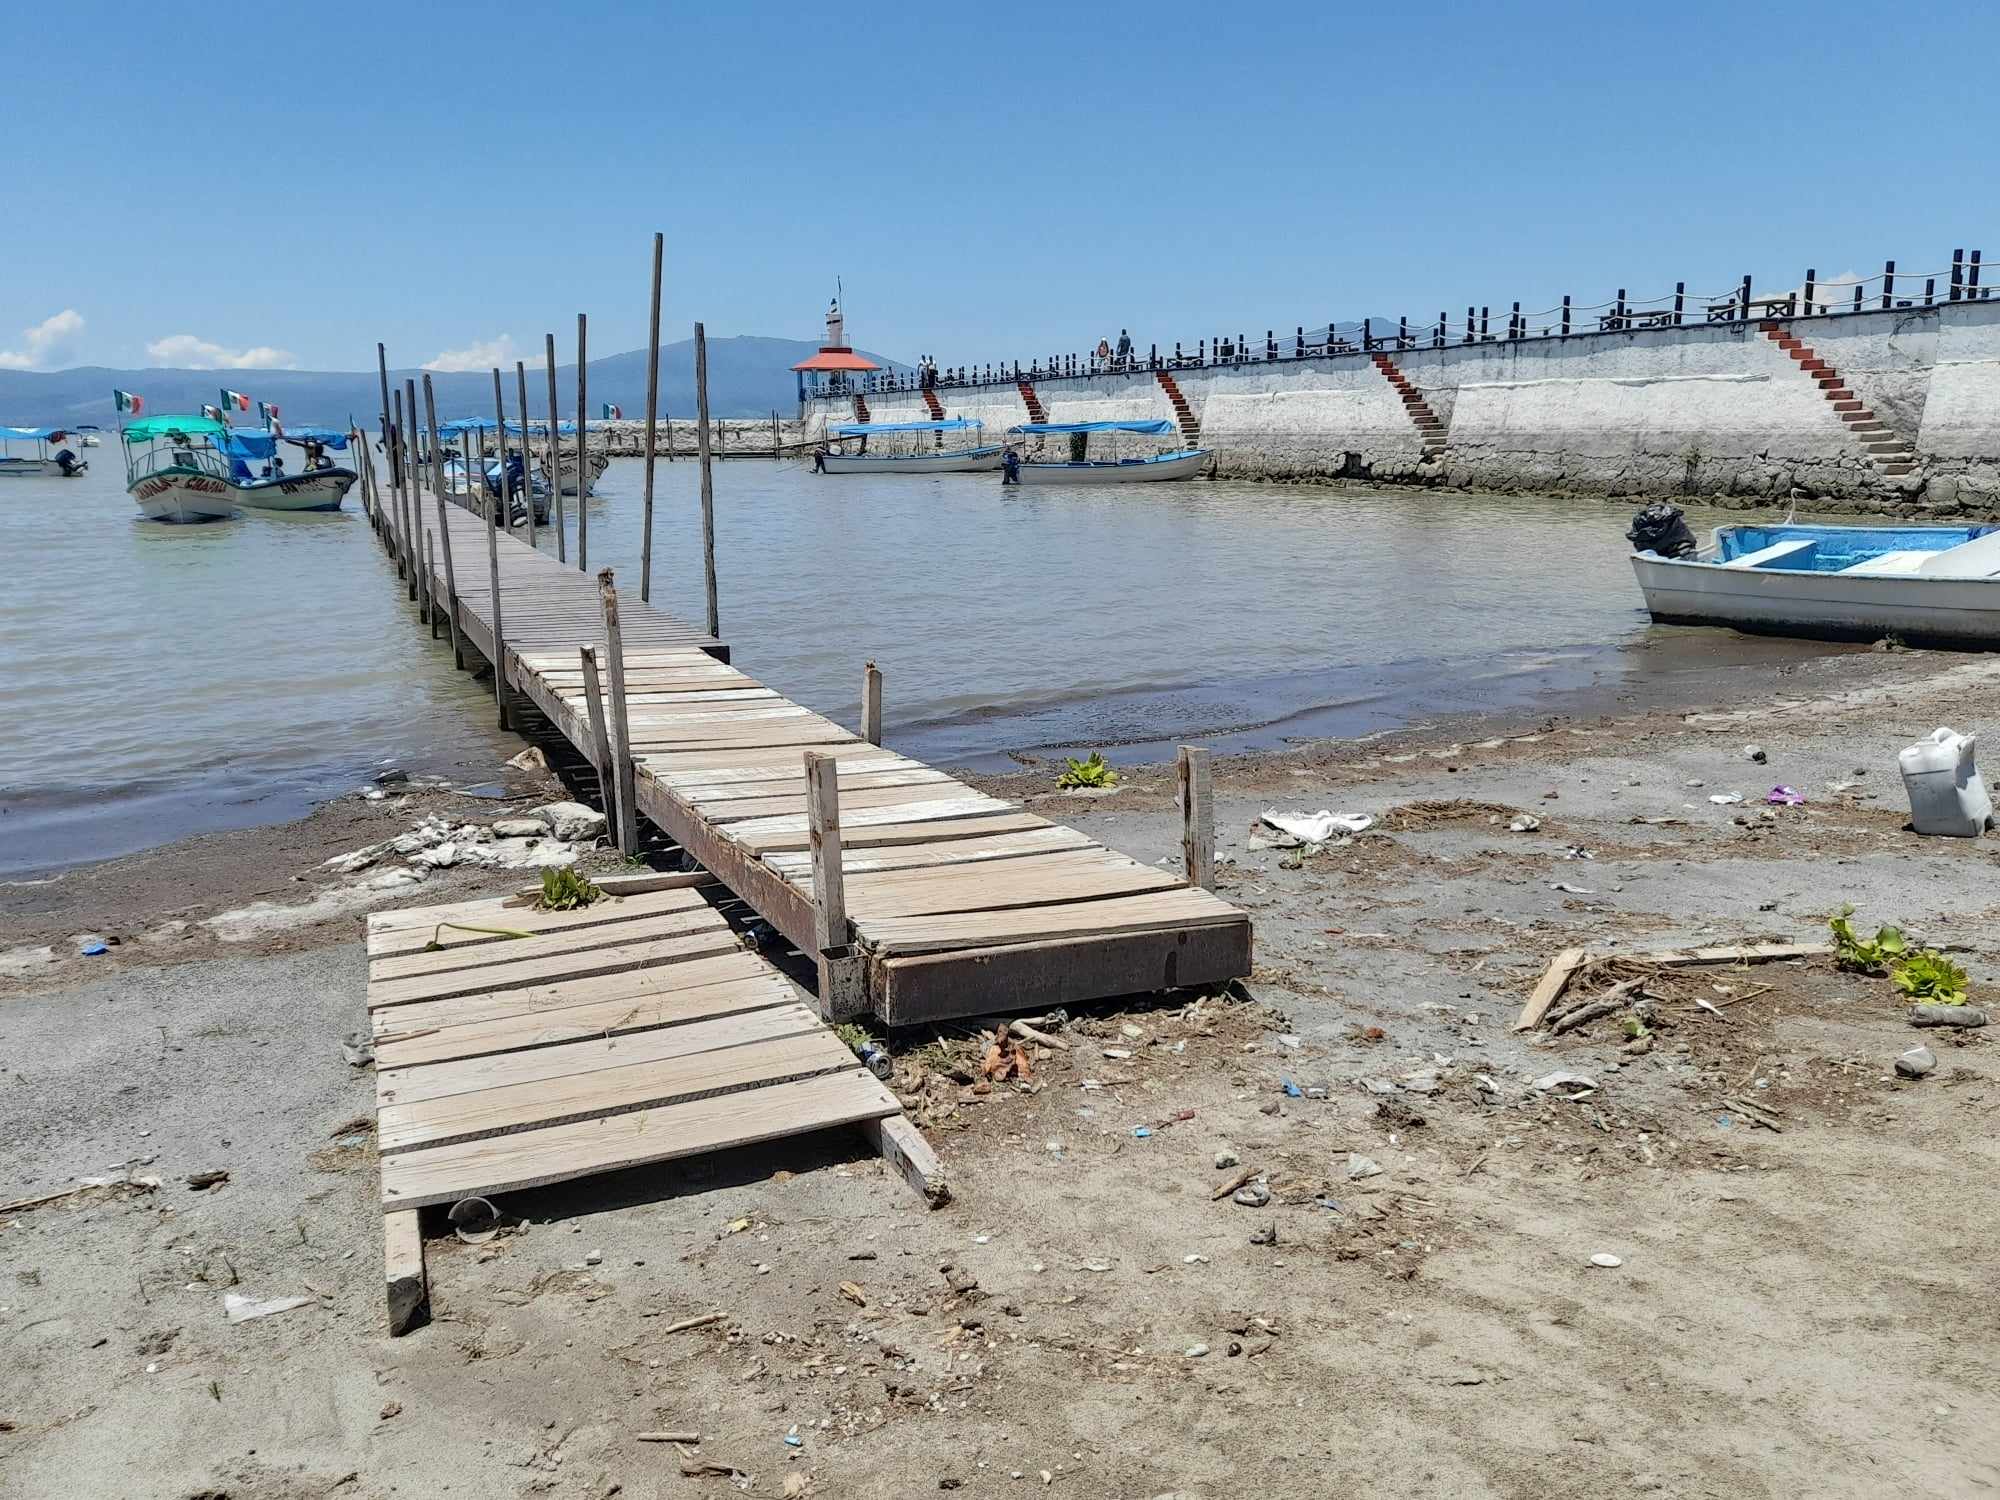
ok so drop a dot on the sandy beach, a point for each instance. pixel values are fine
(1798, 1305)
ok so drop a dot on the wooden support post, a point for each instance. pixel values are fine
(1957, 274)
(621, 751)
(668, 418)
(430, 572)
(493, 582)
(444, 525)
(1743, 305)
(1812, 282)
(1565, 323)
(382, 373)
(527, 454)
(652, 404)
(419, 532)
(840, 989)
(600, 737)
(555, 452)
(903, 1147)
(505, 499)
(707, 477)
(1888, 283)
(871, 704)
(1197, 789)
(408, 1287)
(1680, 301)
(582, 446)
(774, 437)
(1972, 277)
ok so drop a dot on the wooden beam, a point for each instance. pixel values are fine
(1197, 787)
(600, 740)
(614, 644)
(903, 1147)
(555, 452)
(707, 477)
(527, 458)
(419, 533)
(1550, 987)
(840, 988)
(582, 449)
(871, 704)
(444, 528)
(408, 1286)
(652, 402)
(499, 655)
(430, 575)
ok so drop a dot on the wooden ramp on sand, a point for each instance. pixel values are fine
(637, 1030)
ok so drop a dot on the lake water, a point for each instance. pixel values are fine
(158, 681)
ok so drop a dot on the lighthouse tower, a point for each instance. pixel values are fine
(836, 369)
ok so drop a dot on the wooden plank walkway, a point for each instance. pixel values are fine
(960, 903)
(634, 1031)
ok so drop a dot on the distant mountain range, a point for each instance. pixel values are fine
(747, 377)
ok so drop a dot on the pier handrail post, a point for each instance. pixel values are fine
(621, 755)
(871, 703)
(444, 525)
(600, 741)
(582, 448)
(1888, 283)
(405, 555)
(527, 454)
(840, 988)
(1744, 309)
(418, 531)
(555, 452)
(1565, 322)
(493, 585)
(1811, 286)
(707, 477)
(1197, 798)
(652, 402)
(382, 372)
(1680, 301)
(1957, 273)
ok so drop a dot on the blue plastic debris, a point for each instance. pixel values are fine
(1724, 1122)
(793, 1440)
(1293, 1091)
(91, 950)
(1142, 1131)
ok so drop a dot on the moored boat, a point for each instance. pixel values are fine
(319, 485)
(46, 464)
(1081, 468)
(174, 471)
(1936, 585)
(916, 457)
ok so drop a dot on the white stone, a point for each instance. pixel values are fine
(571, 821)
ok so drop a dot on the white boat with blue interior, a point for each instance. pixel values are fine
(1108, 468)
(61, 463)
(319, 484)
(1936, 585)
(906, 448)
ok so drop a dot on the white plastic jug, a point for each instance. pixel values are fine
(1946, 795)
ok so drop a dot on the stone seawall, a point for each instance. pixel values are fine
(1896, 409)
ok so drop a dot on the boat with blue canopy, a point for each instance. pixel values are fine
(474, 470)
(256, 468)
(175, 469)
(62, 463)
(906, 448)
(1937, 585)
(1110, 467)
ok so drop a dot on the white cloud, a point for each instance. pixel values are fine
(483, 354)
(45, 341)
(187, 351)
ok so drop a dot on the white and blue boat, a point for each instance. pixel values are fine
(1933, 585)
(892, 455)
(1081, 468)
(319, 484)
(60, 464)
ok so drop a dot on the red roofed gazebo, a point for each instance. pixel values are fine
(835, 361)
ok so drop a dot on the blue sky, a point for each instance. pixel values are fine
(283, 185)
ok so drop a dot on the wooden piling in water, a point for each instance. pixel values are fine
(418, 531)
(505, 499)
(1197, 789)
(600, 738)
(776, 453)
(403, 568)
(582, 450)
(444, 529)
(527, 455)
(430, 572)
(652, 402)
(493, 582)
(871, 704)
(382, 373)
(707, 476)
(614, 645)
(555, 452)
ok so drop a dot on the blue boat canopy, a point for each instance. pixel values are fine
(29, 434)
(486, 424)
(245, 443)
(1156, 428)
(870, 429)
(329, 437)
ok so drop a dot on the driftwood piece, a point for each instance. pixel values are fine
(1608, 1003)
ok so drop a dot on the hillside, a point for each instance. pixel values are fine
(747, 377)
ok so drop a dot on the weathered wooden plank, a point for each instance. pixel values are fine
(580, 939)
(509, 976)
(903, 1147)
(1179, 908)
(1548, 987)
(930, 809)
(952, 851)
(385, 940)
(403, 1261)
(534, 1158)
(894, 835)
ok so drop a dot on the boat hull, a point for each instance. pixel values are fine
(1138, 471)
(961, 461)
(317, 489)
(37, 468)
(599, 462)
(1944, 611)
(183, 496)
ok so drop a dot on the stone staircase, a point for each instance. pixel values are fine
(1414, 406)
(1183, 413)
(1032, 402)
(1887, 453)
(860, 408)
(936, 406)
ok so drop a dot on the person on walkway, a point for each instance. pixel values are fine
(1124, 347)
(1104, 353)
(819, 459)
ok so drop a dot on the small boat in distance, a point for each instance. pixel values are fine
(1937, 585)
(915, 457)
(174, 471)
(89, 435)
(319, 485)
(61, 464)
(1081, 468)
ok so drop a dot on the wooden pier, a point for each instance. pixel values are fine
(919, 897)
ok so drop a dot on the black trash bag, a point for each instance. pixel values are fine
(1661, 528)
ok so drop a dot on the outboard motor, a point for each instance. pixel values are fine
(1661, 528)
(69, 463)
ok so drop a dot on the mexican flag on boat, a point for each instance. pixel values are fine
(213, 413)
(267, 411)
(235, 399)
(125, 401)
(612, 413)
